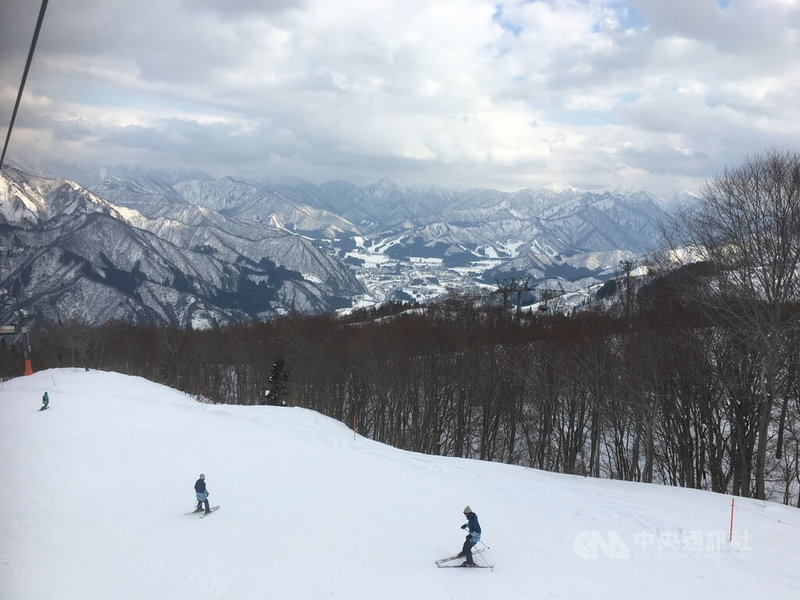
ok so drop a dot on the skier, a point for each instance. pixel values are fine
(202, 494)
(45, 401)
(473, 536)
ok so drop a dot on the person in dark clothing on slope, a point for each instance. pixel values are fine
(201, 493)
(45, 401)
(473, 536)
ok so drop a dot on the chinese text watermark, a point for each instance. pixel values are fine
(675, 545)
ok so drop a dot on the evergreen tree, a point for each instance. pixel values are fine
(278, 380)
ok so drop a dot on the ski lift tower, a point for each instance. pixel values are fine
(18, 328)
(513, 285)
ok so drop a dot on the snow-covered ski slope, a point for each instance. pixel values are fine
(94, 492)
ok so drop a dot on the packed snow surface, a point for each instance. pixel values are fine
(95, 489)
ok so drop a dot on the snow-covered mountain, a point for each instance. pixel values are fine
(193, 250)
(416, 243)
(69, 253)
(96, 487)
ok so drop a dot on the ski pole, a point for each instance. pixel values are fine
(483, 558)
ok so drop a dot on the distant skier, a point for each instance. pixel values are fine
(45, 401)
(473, 536)
(202, 494)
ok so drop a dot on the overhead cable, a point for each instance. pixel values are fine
(24, 77)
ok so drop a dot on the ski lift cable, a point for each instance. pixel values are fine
(24, 78)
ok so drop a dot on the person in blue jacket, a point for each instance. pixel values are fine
(45, 401)
(473, 536)
(202, 494)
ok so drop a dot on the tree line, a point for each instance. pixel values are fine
(686, 376)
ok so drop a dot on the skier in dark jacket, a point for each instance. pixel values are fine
(202, 494)
(473, 536)
(45, 401)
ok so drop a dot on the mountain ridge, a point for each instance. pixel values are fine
(177, 266)
(192, 250)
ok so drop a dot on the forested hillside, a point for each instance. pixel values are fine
(667, 399)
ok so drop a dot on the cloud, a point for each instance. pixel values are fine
(460, 92)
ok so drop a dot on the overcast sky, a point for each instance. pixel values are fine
(650, 94)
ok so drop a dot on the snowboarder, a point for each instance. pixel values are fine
(202, 494)
(45, 401)
(473, 536)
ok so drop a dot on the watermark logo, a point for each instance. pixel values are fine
(596, 544)
(674, 545)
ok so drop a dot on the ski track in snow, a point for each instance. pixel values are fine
(97, 486)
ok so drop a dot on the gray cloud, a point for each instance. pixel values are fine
(639, 93)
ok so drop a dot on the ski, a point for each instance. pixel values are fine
(449, 558)
(211, 510)
(475, 566)
(201, 512)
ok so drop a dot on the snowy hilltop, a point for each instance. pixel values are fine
(97, 488)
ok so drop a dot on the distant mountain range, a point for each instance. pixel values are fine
(191, 250)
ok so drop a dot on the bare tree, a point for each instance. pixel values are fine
(747, 228)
